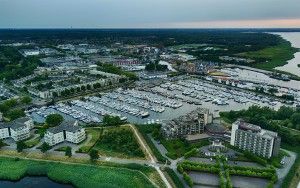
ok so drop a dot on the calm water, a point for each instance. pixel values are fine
(33, 182)
(292, 66)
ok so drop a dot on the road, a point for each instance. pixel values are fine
(152, 159)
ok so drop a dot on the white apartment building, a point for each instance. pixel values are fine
(254, 139)
(18, 129)
(67, 131)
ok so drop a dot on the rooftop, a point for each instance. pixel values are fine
(70, 126)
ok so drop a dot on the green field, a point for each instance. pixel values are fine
(84, 176)
(119, 142)
(178, 147)
(32, 142)
(89, 143)
(276, 55)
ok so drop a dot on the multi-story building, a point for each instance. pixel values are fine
(190, 124)
(18, 129)
(254, 139)
(67, 131)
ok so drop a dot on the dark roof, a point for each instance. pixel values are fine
(215, 128)
(247, 126)
(15, 124)
(65, 126)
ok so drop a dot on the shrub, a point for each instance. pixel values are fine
(188, 179)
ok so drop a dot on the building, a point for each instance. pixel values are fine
(18, 129)
(254, 139)
(66, 131)
(30, 52)
(190, 124)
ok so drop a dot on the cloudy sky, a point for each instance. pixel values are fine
(149, 13)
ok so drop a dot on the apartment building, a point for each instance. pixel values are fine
(254, 139)
(66, 131)
(18, 129)
(189, 124)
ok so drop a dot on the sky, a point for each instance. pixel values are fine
(149, 13)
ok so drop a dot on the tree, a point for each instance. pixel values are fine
(55, 94)
(94, 154)
(1, 143)
(15, 114)
(111, 120)
(4, 108)
(26, 100)
(54, 120)
(20, 146)
(45, 147)
(284, 112)
(295, 118)
(68, 151)
(88, 87)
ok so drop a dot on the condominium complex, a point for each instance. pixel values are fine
(18, 129)
(190, 124)
(67, 131)
(254, 139)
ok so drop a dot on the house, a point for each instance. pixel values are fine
(66, 131)
(18, 129)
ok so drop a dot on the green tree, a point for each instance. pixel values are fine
(111, 120)
(55, 94)
(295, 118)
(284, 112)
(94, 155)
(4, 108)
(45, 147)
(88, 87)
(26, 100)
(20, 146)
(15, 114)
(68, 151)
(54, 120)
(1, 143)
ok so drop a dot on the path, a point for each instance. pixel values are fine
(153, 160)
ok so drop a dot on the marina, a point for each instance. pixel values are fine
(155, 104)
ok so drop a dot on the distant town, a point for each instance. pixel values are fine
(164, 109)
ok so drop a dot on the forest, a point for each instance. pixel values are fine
(285, 121)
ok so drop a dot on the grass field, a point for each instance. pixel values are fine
(64, 148)
(89, 143)
(177, 147)
(119, 142)
(77, 175)
(276, 55)
(32, 142)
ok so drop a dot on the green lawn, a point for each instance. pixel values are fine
(64, 148)
(178, 147)
(78, 175)
(276, 55)
(88, 144)
(32, 142)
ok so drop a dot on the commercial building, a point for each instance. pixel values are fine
(18, 129)
(190, 124)
(66, 131)
(254, 139)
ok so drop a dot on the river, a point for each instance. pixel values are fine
(33, 182)
(292, 66)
